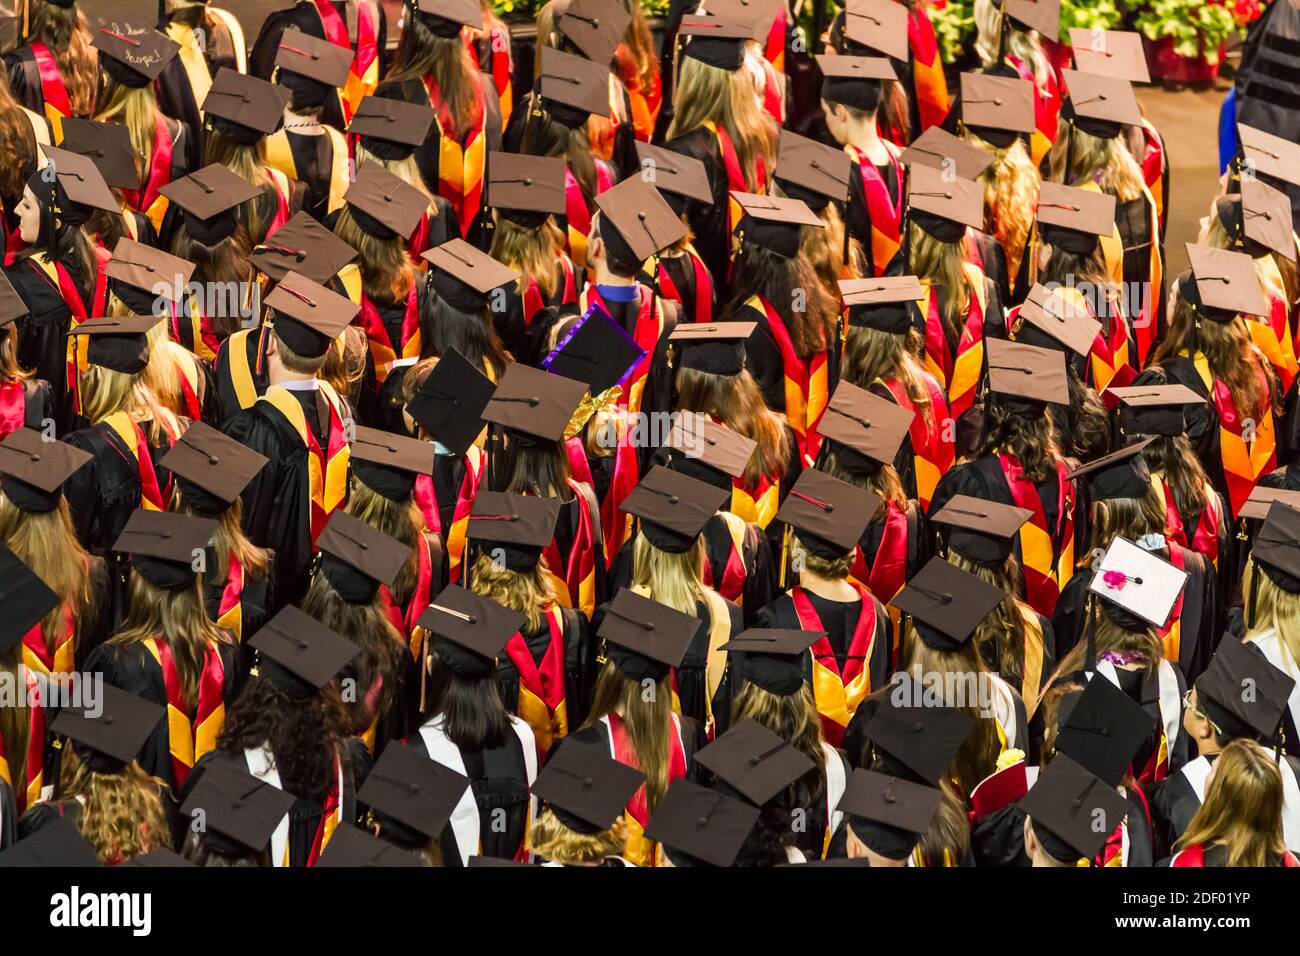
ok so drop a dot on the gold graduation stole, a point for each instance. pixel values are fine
(541, 702)
(959, 376)
(1244, 463)
(327, 467)
(838, 692)
(189, 739)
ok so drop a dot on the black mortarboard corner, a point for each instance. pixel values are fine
(947, 604)
(773, 659)
(1072, 810)
(754, 761)
(585, 787)
(108, 736)
(298, 654)
(167, 549)
(389, 464)
(33, 470)
(645, 639)
(238, 811)
(357, 558)
(469, 630)
(24, 599)
(1277, 547)
(1102, 729)
(411, 796)
(887, 813)
(519, 527)
(701, 827)
(449, 402)
(979, 530)
(1242, 693)
(673, 508)
(211, 468)
(920, 736)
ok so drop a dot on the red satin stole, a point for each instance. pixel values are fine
(577, 215)
(230, 610)
(160, 170)
(928, 81)
(731, 575)
(1243, 461)
(888, 570)
(191, 734)
(959, 375)
(1047, 110)
(1171, 632)
(1205, 536)
(382, 348)
(1047, 555)
(363, 72)
(702, 292)
(838, 692)
(534, 301)
(638, 850)
(883, 210)
(426, 498)
(28, 792)
(541, 702)
(13, 407)
(54, 93)
(574, 575)
(404, 617)
(461, 160)
(807, 381)
(932, 452)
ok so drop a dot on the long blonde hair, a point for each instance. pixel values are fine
(1011, 185)
(1105, 160)
(47, 543)
(1024, 45)
(736, 401)
(1242, 809)
(228, 540)
(674, 580)
(400, 520)
(707, 94)
(647, 718)
(533, 251)
(553, 841)
(942, 266)
(1270, 609)
(407, 169)
(530, 593)
(105, 391)
(10, 369)
(136, 108)
(387, 273)
(122, 814)
(871, 356)
(792, 717)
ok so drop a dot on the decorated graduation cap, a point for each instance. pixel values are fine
(883, 303)
(308, 317)
(1221, 285)
(525, 189)
(773, 659)
(1102, 728)
(12, 306)
(997, 107)
(352, 848)
(25, 599)
(1155, 409)
(572, 87)
(940, 149)
(854, 81)
(943, 205)
(1025, 376)
(754, 761)
(410, 795)
(596, 350)
(701, 827)
(774, 222)
(594, 27)
(673, 508)
(678, 177)
(211, 468)
(878, 25)
(446, 17)
(464, 277)
(304, 246)
(108, 145)
(384, 205)
(828, 515)
(1121, 474)
(714, 347)
(1101, 105)
(636, 223)
(1041, 15)
(469, 631)
(450, 400)
(1073, 811)
(119, 343)
(299, 655)
(1138, 589)
(1116, 53)
(134, 58)
(812, 171)
(534, 404)
(979, 530)
(243, 108)
(389, 464)
(209, 200)
(947, 604)
(313, 58)
(887, 813)
(716, 41)
(72, 187)
(239, 811)
(1242, 693)
(1052, 319)
(140, 275)
(519, 527)
(1074, 219)
(863, 429)
(1277, 547)
(356, 558)
(33, 470)
(1258, 220)
(166, 549)
(645, 639)
(390, 129)
(585, 787)
(108, 735)
(708, 450)
(920, 738)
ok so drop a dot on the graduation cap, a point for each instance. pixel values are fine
(754, 761)
(25, 598)
(531, 402)
(469, 630)
(944, 205)
(574, 84)
(1138, 588)
(134, 59)
(774, 222)
(81, 181)
(714, 347)
(1221, 285)
(878, 24)
(854, 81)
(887, 813)
(308, 316)
(520, 526)
(416, 792)
(1242, 693)
(391, 128)
(674, 174)
(940, 149)
(298, 654)
(595, 350)
(979, 530)
(1073, 811)
(718, 42)
(698, 826)
(12, 306)
(760, 14)
(1121, 474)
(119, 343)
(313, 57)
(636, 223)
(883, 303)
(812, 171)
(107, 145)
(237, 806)
(449, 402)
(59, 844)
(1099, 105)
(867, 430)
(1258, 219)
(1061, 319)
(673, 508)
(389, 463)
(354, 848)
(1074, 219)
(166, 548)
(244, 107)
(1262, 498)
(719, 451)
(997, 103)
(1277, 546)
(33, 470)
(585, 787)
(383, 204)
(1041, 15)
(922, 737)
(828, 514)
(464, 276)
(212, 468)
(141, 274)
(1102, 728)
(1154, 409)
(111, 732)
(209, 199)
(595, 27)
(456, 13)
(1269, 154)
(304, 246)
(356, 558)
(1027, 373)
(644, 638)
(772, 658)
(526, 189)
(1114, 53)
(947, 604)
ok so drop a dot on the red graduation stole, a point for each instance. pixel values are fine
(327, 467)
(888, 571)
(59, 279)
(131, 436)
(1147, 322)
(638, 849)
(230, 610)
(1047, 110)
(1046, 572)
(534, 302)
(736, 182)
(883, 210)
(703, 290)
(29, 793)
(838, 693)
(499, 66)
(404, 617)
(1153, 171)
(1108, 359)
(454, 537)
(574, 578)
(382, 349)
(541, 701)
(960, 375)
(282, 193)
(932, 453)
(13, 407)
(577, 216)
(37, 656)
(330, 815)
(54, 93)
(928, 81)
(1273, 337)
(363, 73)
(147, 200)
(807, 381)
(1205, 537)
(460, 166)
(1243, 462)
(731, 577)
(190, 738)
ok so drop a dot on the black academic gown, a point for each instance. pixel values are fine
(42, 333)
(227, 399)
(579, 665)
(8, 816)
(766, 364)
(709, 222)
(526, 339)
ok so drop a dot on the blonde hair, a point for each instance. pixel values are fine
(387, 273)
(106, 391)
(1095, 158)
(870, 356)
(674, 580)
(553, 841)
(529, 593)
(792, 717)
(1270, 609)
(647, 718)
(122, 814)
(1024, 45)
(405, 169)
(726, 98)
(47, 543)
(10, 369)
(942, 266)
(533, 251)
(136, 108)
(1242, 809)
(401, 520)
(1011, 185)
(835, 569)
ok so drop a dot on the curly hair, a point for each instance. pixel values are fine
(1031, 440)
(1173, 458)
(793, 718)
(122, 814)
(530, 593)
(553, 841)
(63, 30)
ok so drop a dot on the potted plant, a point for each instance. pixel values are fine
(1184, 38)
